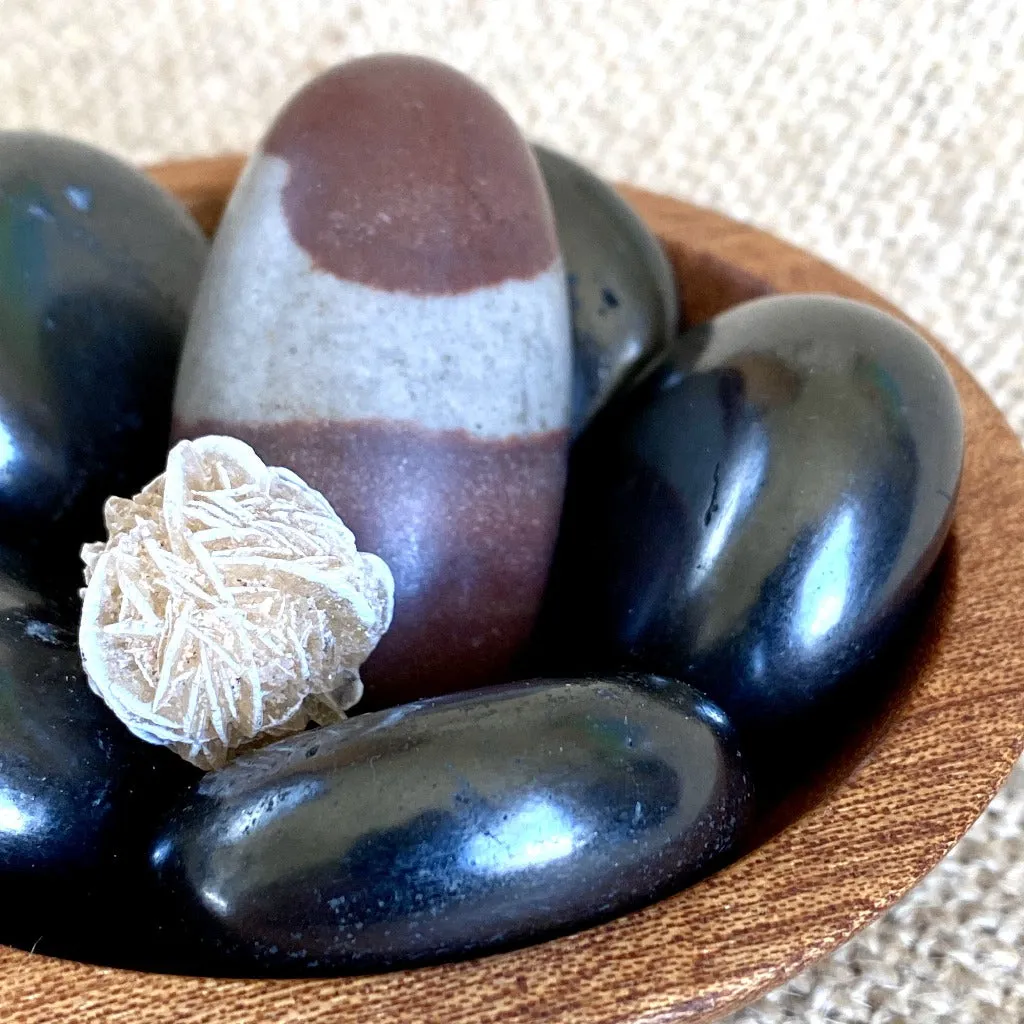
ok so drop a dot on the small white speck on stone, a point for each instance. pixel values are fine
(79, 197)
(43, 631)
(39, 211)
(229, 605)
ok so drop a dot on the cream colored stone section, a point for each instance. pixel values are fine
(274, 339)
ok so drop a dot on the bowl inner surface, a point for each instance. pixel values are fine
(897, 798)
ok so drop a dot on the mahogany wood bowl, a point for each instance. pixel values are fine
(870, 832)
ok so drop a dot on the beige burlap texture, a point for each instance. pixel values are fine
(886, 136)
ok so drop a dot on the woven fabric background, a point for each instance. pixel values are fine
(885, 135)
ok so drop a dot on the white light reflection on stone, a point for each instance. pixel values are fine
(268, 806)
(15, 817)
(825, 588)
(537, 833)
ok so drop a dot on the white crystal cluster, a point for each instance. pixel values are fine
(229, 605)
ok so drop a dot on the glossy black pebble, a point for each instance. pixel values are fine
(759, 525)
(624, 303)
(98, 268)
(79, 795)
(453, 826)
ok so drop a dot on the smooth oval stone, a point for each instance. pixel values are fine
(453, 826)
(760, 524)
(621, 286)
(385, 312)
(79, 795)
(98, 271)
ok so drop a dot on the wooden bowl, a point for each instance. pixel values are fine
(881, 822)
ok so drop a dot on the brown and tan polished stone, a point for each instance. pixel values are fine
(385, 313)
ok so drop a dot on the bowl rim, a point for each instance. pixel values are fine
(935, 762)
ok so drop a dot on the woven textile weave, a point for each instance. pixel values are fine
(887, 137)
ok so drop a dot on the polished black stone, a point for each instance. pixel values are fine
(759, 521)
(79, 795)
(98, 268)
(453, 826)
(623, 292)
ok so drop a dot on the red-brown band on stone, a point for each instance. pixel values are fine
(407, 176)
(466, 524)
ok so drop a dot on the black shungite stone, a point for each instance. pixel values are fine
(98, 270)
(79, 795)
(453, 826)
(759, 521)
(624, 304)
